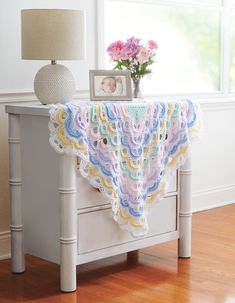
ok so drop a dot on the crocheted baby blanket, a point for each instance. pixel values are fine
(127, 149)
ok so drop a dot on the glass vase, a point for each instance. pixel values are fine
(137, 89)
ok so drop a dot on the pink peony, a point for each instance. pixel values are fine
(133, 55)
(115, 50)
(144, 55)
(124, 54)
(152, 44)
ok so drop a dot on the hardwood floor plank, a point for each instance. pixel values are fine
(155, 276)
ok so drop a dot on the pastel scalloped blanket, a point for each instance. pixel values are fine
(127, 149)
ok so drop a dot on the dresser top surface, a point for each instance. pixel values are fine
(26, 109)
(38, 109)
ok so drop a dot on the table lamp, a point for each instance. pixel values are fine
(53, 34)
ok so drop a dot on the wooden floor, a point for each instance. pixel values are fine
(158, 276)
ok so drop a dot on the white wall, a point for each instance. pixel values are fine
(213, 163)
(213, 157)
(4, 193)
(16, 74)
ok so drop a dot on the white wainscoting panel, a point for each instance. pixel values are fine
(213, 157)
(5, 239)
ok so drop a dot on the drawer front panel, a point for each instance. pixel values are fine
(97, 229)
(89, 196)
(173, 182)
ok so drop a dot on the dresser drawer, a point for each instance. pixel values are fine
(173, 182)
(97, 229)
(89, 196)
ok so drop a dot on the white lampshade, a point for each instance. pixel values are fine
(52, 34)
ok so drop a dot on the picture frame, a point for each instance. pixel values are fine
(110, 85)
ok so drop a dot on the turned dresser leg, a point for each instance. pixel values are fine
(15, 181)
(185, 212)
(68, 223)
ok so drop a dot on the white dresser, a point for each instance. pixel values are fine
(56, 214)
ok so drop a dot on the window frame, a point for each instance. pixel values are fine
(231, 16)
(224, 9)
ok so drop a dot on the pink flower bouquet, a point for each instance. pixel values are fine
(134, 56)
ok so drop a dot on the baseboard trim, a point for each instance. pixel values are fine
(213, 190)
(5, 239)
(5, 234)
(213, 197)
(5, 257)
(199, 209)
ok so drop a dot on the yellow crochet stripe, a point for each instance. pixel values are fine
(196, 129)
(182, 152)
(103, 118)
(60, 129)
(135, 166)
(111, 129)
(154, 140)
(61, 134)
(95, 173)
(170, 109)
(123, 155)
(66, 141)
(146, 153)
(169, 113)
(172, 163)
(60, 115)
(132, 220)
(146, 150)
(132, 164)
(153, 196)
(101, 114)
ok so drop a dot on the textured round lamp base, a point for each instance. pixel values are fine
(54, 83)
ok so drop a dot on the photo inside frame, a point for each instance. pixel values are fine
(110, 85)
